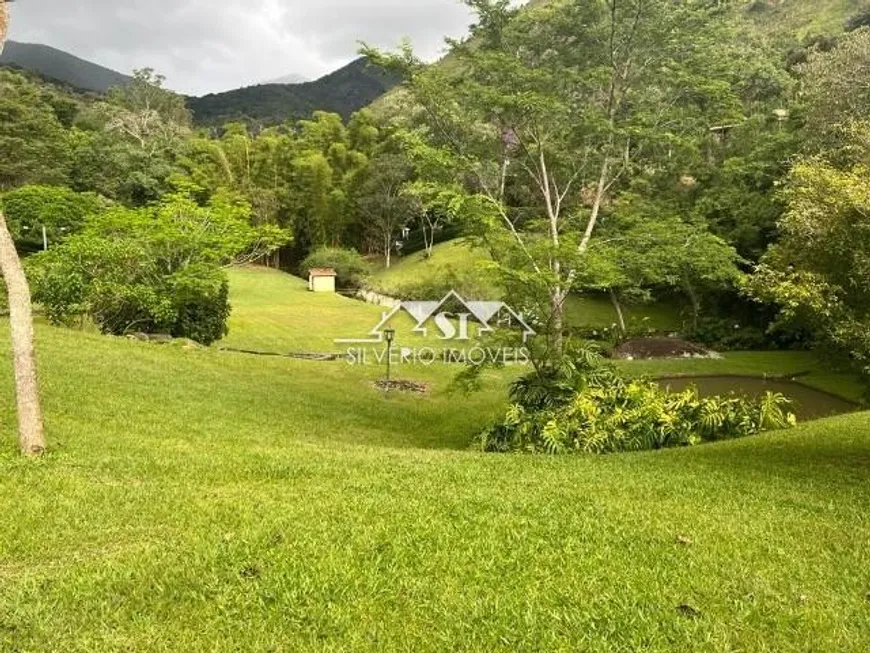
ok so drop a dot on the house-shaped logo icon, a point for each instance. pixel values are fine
(451, 318)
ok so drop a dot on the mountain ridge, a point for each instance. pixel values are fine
(60, 66)
(359, 84)
(343, 91)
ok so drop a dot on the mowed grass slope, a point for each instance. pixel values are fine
(459, 259)
(196, 500)
(274, 312)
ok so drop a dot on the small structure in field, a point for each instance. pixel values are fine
(321, 280)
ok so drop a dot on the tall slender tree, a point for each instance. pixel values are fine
(549, 112)
(30, 429)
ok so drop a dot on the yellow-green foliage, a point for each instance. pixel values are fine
(588, 406)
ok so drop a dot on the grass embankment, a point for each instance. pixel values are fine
(274, 312)
(459, 258)
(204, 501)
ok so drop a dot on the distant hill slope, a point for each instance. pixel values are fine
(345, 91)
(60, 66)
(292, 78)
(800, 18)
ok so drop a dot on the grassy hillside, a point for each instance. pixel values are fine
(274, 312)
(803, 17)
(460, 259)
(203, 501)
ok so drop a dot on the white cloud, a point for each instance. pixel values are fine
(205, 46)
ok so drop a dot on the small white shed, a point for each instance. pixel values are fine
(321, 280)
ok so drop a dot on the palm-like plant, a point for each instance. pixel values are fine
(30, 429)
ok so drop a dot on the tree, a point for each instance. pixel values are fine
(548, 111)
(384, 206)
(325, 168)
(818, 273)
(156, 269)
(153, 117)
(30, 427)
(50, 212)
(647, 244)
(34, 145)
(837, 93)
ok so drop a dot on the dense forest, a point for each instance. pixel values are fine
(715, 151)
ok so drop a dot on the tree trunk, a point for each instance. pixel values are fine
(696, 302)
(620, 316)
(388, 250)
(30, 430)
(427, 247)
(557, 321)
(4, 23)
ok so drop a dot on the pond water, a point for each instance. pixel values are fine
(809, 404)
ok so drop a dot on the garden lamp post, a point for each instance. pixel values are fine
(389, 336)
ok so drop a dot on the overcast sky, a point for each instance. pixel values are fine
(206, 46)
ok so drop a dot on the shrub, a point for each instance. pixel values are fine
(61, 211)
(859, 20)
(118, 285)
(729, 335)
(586, 406)
(157, 270)
(201, 306)
(350, 267)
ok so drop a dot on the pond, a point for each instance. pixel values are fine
(809, 403)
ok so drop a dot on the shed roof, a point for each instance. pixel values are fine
(322, 272)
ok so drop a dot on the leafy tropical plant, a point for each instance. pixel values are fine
(584, 405)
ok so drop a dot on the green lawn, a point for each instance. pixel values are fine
(198, 500)
(459, 257)
(275, 312)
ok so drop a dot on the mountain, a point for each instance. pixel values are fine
(292, 78)
(60, 66)
(344, 91)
